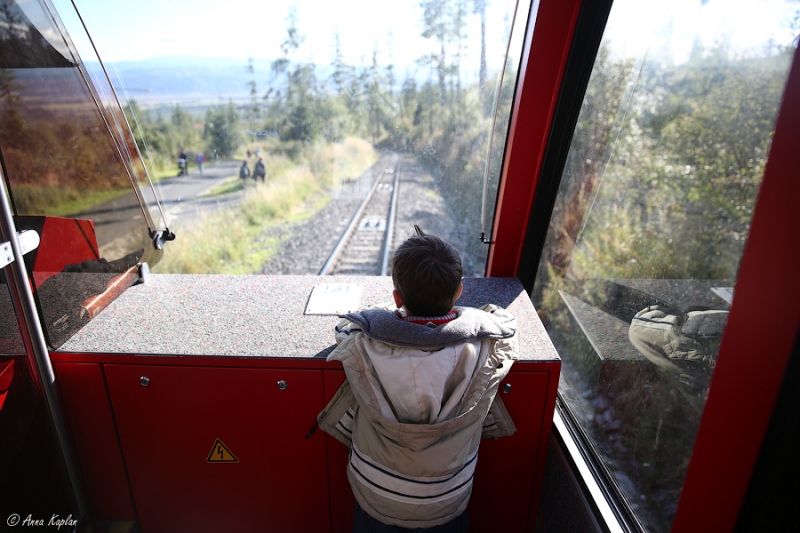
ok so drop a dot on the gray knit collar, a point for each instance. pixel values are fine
(471, 325)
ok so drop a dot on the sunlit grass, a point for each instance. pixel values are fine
(234, 241)
(229, 185)
(61, 201)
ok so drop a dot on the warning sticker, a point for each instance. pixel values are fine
(221, 454)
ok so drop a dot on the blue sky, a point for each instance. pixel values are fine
(244, 28)
(247, 28)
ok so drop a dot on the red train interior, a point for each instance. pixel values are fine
(167, 402)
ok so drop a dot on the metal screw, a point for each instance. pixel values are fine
(144, 380)
(506, 388)
(282, 385)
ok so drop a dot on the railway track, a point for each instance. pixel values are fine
(363, 249)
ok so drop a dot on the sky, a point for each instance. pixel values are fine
(125, 31)
(241, 29)
(637, 26)
(247, 28)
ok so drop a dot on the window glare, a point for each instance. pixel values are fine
(654, 206)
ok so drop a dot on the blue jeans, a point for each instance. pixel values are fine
(364, 523)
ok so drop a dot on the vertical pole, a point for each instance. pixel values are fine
(31, 329)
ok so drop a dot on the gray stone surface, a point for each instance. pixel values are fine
(262, 316)
(607, 334)
(680, 293)
(10, 339)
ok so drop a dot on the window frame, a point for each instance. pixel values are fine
(742, 395)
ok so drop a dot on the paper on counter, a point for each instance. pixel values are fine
(334, 299)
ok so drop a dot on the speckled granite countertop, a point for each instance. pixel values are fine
(262, 316)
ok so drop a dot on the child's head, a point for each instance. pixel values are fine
(426, 272)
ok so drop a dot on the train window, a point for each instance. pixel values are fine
(653, 209)
(10, 339)
(71, 173)
(267, 125)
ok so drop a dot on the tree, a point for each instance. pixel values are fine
(254, 113)
(436, 26)
(342, 72)
(183, 134)
(479, 7)
(664, 168)
(297, 103)
(378, 111)
(221, 131)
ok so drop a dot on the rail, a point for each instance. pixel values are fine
(348, 233)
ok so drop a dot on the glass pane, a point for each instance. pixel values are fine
(66, 173)
(653, 210)
(10, 339)
(331, 99)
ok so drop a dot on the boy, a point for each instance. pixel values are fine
(420, 383)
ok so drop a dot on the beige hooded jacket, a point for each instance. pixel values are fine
(416, 402)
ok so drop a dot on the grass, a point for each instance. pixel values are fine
(61, 201)
(164, 173)
(235, 241)
(229, 185)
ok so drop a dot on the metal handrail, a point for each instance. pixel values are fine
(36, 349)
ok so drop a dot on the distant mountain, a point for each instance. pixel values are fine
(199, 81)
(181, 79)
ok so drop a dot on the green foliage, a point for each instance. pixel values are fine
(298, 106)
(221, 131)
(690, 163)
(55, 166)
(160, 140)
(61, 201)
(254, 112)
(664, 169)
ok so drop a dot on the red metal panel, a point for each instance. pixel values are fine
(88, 413)
(6, 376)
(758, 341)
(220, 361)
(63, 241)
(554, 371)
(504, 477)
(541, 70)
(342, 500)
(169, 428)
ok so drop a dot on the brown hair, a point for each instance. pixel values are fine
(426, 271)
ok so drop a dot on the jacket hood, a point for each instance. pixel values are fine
(470, 325)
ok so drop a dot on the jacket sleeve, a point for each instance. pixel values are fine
(498, 422)
(342, 330)
(337, 417)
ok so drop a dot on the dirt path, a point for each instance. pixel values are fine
(180, 198)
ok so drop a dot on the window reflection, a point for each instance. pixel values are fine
(60, 159)
(10, 339)
(653, 210)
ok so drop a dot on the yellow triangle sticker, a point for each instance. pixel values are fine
(221, 454)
